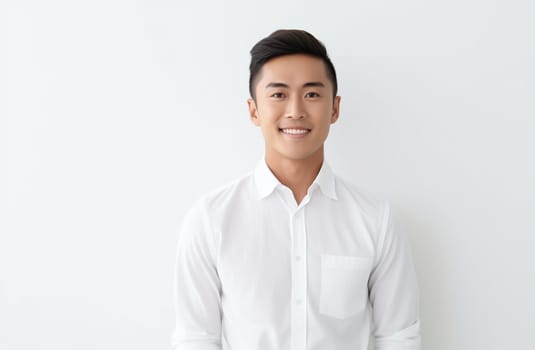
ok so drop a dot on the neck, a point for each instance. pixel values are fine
(297, 175)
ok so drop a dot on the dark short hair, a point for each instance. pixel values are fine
(288, 42)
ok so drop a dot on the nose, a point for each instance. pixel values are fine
(295, 109)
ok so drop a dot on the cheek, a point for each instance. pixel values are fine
(322, 109)
(274, 108)
(325, 114)
(269, 113)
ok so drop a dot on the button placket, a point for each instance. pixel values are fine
(299, 280)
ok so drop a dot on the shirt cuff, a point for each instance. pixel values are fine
(406, 339)
(197, 345)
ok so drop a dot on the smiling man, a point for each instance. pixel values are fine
(290, 256)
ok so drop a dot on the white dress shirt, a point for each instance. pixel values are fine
(257, 271)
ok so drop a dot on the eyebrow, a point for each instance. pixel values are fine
(283, 85)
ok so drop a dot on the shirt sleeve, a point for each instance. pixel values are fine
(197, 288)
(394, 291)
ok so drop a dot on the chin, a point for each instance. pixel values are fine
(300, 157)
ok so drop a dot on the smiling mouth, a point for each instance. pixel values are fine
(294, 131)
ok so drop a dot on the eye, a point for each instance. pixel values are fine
(277, 95)
(312, 94)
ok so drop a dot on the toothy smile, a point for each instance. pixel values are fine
(292, 131)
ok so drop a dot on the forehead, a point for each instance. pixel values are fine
(294, 69)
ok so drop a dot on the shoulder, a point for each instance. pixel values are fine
(371, 209)
(225, 196)
(369, 202)
(206, 213)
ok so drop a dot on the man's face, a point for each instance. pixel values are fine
(294, 107)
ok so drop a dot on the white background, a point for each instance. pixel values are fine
(117, 115)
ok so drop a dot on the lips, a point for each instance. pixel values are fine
(294, 131)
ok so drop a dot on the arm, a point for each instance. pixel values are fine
(393, 291)
(197, 286)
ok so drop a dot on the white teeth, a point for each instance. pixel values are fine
(295, 131)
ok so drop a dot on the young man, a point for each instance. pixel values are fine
(291, 257)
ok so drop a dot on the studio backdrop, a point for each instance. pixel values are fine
(118, 115)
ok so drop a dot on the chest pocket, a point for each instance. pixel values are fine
(344, 285)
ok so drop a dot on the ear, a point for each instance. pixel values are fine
(336, 109)
(253, 111)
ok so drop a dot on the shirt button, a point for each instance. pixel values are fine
(297, 258)
(298, 301)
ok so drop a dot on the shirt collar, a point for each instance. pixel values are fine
(326, 181)
(266, 182)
